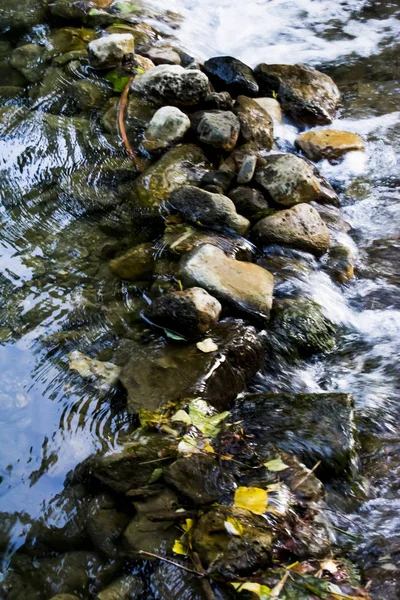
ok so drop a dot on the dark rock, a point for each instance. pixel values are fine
(209, 210)
(190, 312)
(157, 374)
(217, 128)
(249, 202)
(341, 263)
(306, 95)
(136, 264)
(313, 427)
(255, 123)
(175, 584)
(172, 84)
(230, 74)
(218, 101)
(128, 587)
(221, 179)
(299, 227)
(89, 94)
(22, 14)
(105, 524)
(30, 61)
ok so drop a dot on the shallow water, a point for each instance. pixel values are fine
(54, 278)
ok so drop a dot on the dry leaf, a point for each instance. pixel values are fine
(252, 498)
(276, 465)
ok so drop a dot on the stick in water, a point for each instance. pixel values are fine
(121, 124)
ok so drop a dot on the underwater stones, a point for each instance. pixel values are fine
(104, 374)
(160, 373)
(299, 227)
(230, 74)
(89, 94)
(182, 165)
(313, 427)
(306, 95)
(29, 60)
(135, 264)
(288, 180)
(197, 477)
(168, 126)
(232, 555)
(172, 84)
(190, 312)
(105, 524)
(127, 587)
(255, 123)
(22, 14)
(109, 51)
(164, 56)
(341, 263)
(217, 128)
(210, 210)
(244, 285)
(272, 107)
(249, 202)
(328, 143)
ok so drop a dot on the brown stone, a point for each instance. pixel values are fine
(328, 143)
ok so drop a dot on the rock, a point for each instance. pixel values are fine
(272, 107)
(105, 524)
(168, 126)
(332, 216)
(138, 115)
(311, 426)
(175, 584)
(328, 143)
(300, 227)
(298, 328)
(70, 39)
(217, 128)
(232, 555)
(306, 95)
(136, 264)
(23, 14)
(64, 597)
(104, 374)
(210, 210)
(164, 56)
(230, 74)
(221, 179)
(182, 165)
(341, 263)
(249, 202)
(30, 61)
(172, 84)
(109, 51)
(255, 123)
(158, 374)
(127, 587)
(247, 169)
(89, 94)
(244, 285)
(288, 180)
(189, 313)
(143, 62)
(218, 101)
(10, 91)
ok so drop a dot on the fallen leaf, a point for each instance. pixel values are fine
(262, 591)
(233, 527)
(252, 498)
(207, 346)
(330, 566)
(174, 336)
(276, 465)
(178, 548)
(156, 474)
(182, 416)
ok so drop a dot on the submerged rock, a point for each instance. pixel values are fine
(313, 427)
(167, 127)
(300, 227)
(22, 14)
(105, 524)
(306, 95)
(30, 61)
(172, 84)
(288, 180)
(328, 143)
(244, 285)
(249, 202)
(190, 312)
(160, 373)
(341, 263)
(109, 51)
(104, 374)
(135, 264)
(230, 74)
(210, 210)
(217, 128)
(127, 587)
(255, 123)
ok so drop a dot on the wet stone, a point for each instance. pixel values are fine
(244, 285)
(127, 587)
(220, 179)
(136, 264)
(218, 101)
(313, 427)
(230, 74)
(217, 128)
(105, 524)
(168, 126)
(89, 95)
(104, 375)
(164, 56)
(172, 84)
(299, 227)
(29, 60)
(255, 123)
(210, 210)
(328, 143)
(272, 107)
(306, 95)
(249, 202)
(21, 15)
(109, 51)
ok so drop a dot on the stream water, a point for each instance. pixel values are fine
(54, 281)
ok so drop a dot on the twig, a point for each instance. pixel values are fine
(351, 535)
(303, 479)
(121, 124)
(171, 562)
(276, 591)
(204, 582)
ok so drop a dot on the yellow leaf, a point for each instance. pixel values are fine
(252, 498)
(261, 590)
(178, 548)
(330, 566)
(274, 487)
(209, 449)
(233, 527)
(188, 526)
(276, 464)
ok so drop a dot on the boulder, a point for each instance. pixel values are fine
(313, 427)
(23, 14)
(217, 128)
(244, 285)
(109, 51)
(157, 374)
(328, 143)
(172, 84)
(218, 101)
(167, 127)
(288, 180)
(255, 123)
(127, 587)
(306, 95)
(299, 227)
(210, 210)
(135, 264)
(182, 165)
(89, 94)
(30, 61)
(249, 202)
(232, 75)
(272, 107)
(189, 313)
(164, 56)
(221, 179)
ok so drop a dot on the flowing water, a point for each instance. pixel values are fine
(55, 289)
